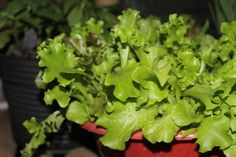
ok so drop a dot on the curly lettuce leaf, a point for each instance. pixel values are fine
(162, 68)
(162, 129)
(213, 132)
(77, 112)
(203, 93)
(126, 29)
(123, 90)
(59, 94)
(188, 70)
(57, 59)
(152, 91)
(174, 32)
(127, 120)
(231, 151)
(39, 130)
(185, 113)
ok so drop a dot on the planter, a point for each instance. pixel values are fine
(139, 147)
(23, 97)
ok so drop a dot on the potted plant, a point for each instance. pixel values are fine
(23, 25)
(161, 80)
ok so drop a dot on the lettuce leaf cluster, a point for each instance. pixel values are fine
(148, 75)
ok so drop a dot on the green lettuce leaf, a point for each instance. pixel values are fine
(59, 94)
(231, 151)
(57, 59)
(213, 132)
(77, 112)
(185, 113)
(39, 130)
(203, 93)
(123, 90)
(152, 91)
(162, 129)
(127, 119)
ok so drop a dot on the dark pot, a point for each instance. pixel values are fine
(23, 97)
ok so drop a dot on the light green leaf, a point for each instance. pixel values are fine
(109, 60)
(213, 132)
(127, 29)
(95, 26)
(231, 151)
(58, 59)
(143, 74)
(123, 90)
(162, 68)
(127, 119)
(124, 54)
(127, 25)
(149, 29)
(187, 71)
(147, 58)
(152, 93)
(231, 100)
(162, 129)
(233, 123)
(31, 125)
(59, 94)
(152, 90)
(77, 112)
(185, 113)
(203, 93)
(40, 129)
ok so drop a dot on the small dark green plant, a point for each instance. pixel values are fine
(25, 23)
(222, 11)
(145, 75)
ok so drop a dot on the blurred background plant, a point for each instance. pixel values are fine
(222, 11)
(25, 23)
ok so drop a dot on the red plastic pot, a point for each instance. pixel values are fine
(139, 147)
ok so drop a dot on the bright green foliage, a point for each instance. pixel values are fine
(161, 130)
(38, 130)
(59, 94)
(203, 93)
(185, 113)
(77, 112)
(231, 151)
(212, 132)
(145, 75)
(62, 57)
(127, 120)
(151, 90)
(123, 90)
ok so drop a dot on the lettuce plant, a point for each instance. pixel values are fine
(143, 74)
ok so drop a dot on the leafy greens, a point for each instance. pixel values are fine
(146, 75)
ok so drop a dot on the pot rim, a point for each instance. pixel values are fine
(92, 127)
